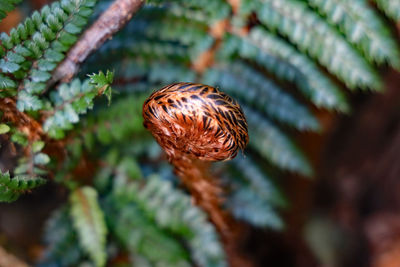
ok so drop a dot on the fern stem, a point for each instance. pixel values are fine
(110, 22)
(208, 194)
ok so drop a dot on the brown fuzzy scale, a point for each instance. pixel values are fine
(196, 124)
(196, 119)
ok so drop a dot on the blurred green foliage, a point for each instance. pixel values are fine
(279, 58)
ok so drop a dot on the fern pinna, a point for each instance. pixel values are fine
(280, 59)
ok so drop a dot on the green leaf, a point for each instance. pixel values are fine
(27, 101)
(73, 99)
(12, 188)
(8, 67)
(6, 83)
(88, 220)
(41, 159)
(4, 128)
(37, 146)
(103, 83)
(19, 138)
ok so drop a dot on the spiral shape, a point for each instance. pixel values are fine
(196, 119)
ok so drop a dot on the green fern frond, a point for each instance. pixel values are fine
(173, 210)
(114, 124)
(362, 27)
(258, 179)
(122, 51)
(246, 205)
(61, 240)
(274, 145)
(272, 53)
(250, 86)
(186, 32)
(88, 220)
(151, 73)
(313, 35)
(7, 6)
(34, 48)
(73, 99)
(216, 10)
(193, 14)
(254, 196)
(169, 29)
(151, 12)
(138, 233)
(141, 236)
(168, 73)
(12, 188)
(390, 7)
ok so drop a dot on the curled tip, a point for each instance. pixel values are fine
(196, 119)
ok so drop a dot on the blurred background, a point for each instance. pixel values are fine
(347, 214)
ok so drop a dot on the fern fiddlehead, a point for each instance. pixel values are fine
(195, 124)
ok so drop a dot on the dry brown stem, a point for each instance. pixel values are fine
(110, 22)
(208, 194)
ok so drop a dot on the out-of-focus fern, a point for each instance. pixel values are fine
(215, 10)
(174, 212)
(247, 84)
(171, 210)
(254, 197)
(274, 145)
(313, 35)
(7, 6)
(390, 7)
(284, 61)
(362, 27)
(89, 223)
(61, 239)
(140, 236)
(258, 52)
(115, 124)
(12, 188)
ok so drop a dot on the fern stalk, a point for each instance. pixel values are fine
(207, 194)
